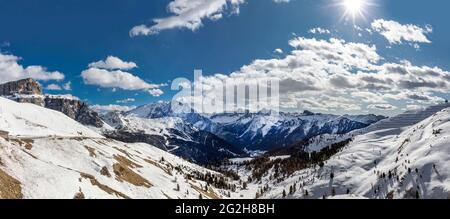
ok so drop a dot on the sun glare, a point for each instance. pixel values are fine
(354, 8)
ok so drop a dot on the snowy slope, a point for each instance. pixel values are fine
(97, 168)
(398, 123)
(23, 119)
(48, 155)
(391, 161)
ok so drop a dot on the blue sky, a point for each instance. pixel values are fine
(67, 36)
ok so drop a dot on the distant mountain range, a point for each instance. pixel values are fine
(58, 142)
(201, 138)
(259, 131)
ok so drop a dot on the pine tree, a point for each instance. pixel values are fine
(417, 194)
(284, 194)
(306, 193)
(200, 196)
(333, 192)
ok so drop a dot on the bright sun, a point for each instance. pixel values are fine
(354, 8)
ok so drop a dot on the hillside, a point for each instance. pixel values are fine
(407, 161)
(48, 155)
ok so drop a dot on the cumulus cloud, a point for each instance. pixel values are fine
(281, 1)
(381, 107)
(189, 14)
(111, 107)
(115, 79)
(128, 100)
(319, 30)
(109, 74)
(53, 87)
(279, 51)
(335, 75)
(113, 63)
(397, 33)
(11, 70)
(155, 92)
(67, 86)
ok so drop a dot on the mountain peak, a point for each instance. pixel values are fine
(26, 86)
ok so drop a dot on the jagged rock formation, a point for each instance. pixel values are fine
(74, 109)
(30, 91)
(25, 86)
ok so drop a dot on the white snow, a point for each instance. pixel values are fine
(52, 156)
(29, 120)
(419, 154)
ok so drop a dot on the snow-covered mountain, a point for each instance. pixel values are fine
(400, 157)
(171, 134)
(45, 154)
(407, 156)
(260, 131)
(30, 91)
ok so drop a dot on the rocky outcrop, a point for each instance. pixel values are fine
(30, 91)
(26, 87)
(74, 109)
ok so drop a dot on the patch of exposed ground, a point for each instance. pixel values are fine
(9, 187)
(125, 161)
(105, 188)
(209, 194)
(124, 152)
(79, 195)
(154, 163)
(91, 151)
(27, 143)
(105, 172)
(168, 197)
(123, 172)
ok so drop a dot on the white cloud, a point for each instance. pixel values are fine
(113, 63)
(319, 30)
(397, 33)
(279, 51)
(335, 75)
(128, 100)
(189, 14)
(67, 86)
(115, 79)
(381, 107)
(11, 70)
(281, 1)
(110, 74)
(108, 108)
(53, 87)
(155, 92)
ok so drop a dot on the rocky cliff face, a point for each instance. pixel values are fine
(26, 87)
(74, 109)
(30, 91)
